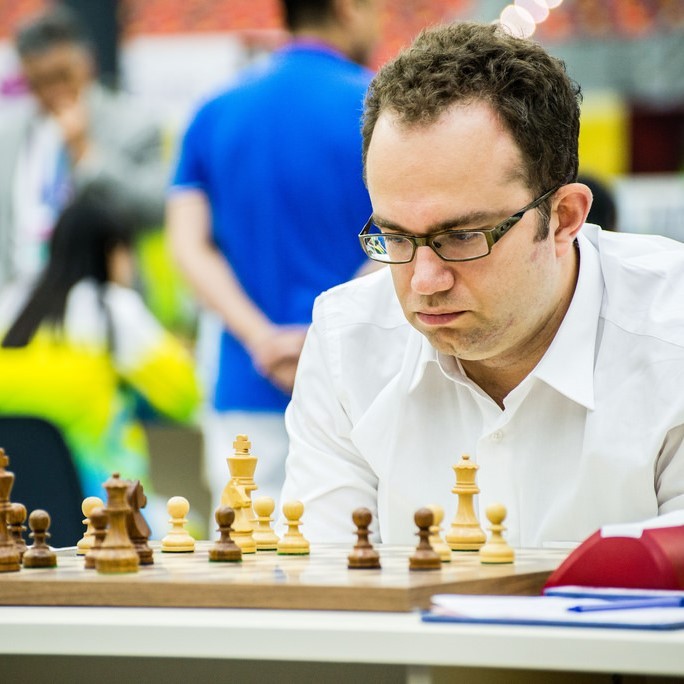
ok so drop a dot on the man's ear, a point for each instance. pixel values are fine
(570, 207)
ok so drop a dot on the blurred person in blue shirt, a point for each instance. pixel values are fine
(261, 214)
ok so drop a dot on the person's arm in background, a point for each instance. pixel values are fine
(274, 349)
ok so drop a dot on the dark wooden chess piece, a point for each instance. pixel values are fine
(9, 553)
(15, 524)
(117, 554)
(136, 525)
(225, 549)
(98, 520)
(424, 557)
(39, 554)
(363, 554)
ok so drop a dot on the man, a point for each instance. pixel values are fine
(550, 352)
(268, 180)
(75, 135)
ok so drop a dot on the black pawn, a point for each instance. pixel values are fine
(424, 557)
(39, 554)
(225, 549)
(15, 525)
(363, 554)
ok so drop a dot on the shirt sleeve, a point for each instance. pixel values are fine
(152, 360)
(670, 472)
(324, 469)
(189, 169)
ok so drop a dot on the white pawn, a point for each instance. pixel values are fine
(266, 539)
(293, 541)
(496, 550)
(87, 541)
(436, 541)
(178, 540)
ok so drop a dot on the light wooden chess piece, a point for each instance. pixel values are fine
(424, 557)
(178, 539)
(293, 542)
(15, 525)
(238, 493)
(39, 554)
(9, 553)
(86, 542)
(264, 537)
(465, 533)
(117, 554)
(496, 550)
(363, 554)
(225, 549)
(98, 519)
(436, 541)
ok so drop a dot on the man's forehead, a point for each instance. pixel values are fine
(469, 135)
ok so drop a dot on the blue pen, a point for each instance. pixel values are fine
(629, 604)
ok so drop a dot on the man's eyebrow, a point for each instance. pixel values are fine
(473, 218)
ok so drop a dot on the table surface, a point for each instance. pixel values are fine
(32, 621)
(332, 636)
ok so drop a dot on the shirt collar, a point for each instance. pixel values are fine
(568, 364)
(312, 45)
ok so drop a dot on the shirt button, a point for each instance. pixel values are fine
(496, 436)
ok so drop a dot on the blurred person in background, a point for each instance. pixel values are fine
(75, 347)
(75, 134)
(603, 210)
(260, 214)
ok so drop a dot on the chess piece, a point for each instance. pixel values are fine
(9, 553)
(496, 550)
(39, 554)
(89, 504)
(363, 554)
(436, 541)
(424, 557)
(178, 539)
(465, 533)
(264, 537)
(136, 525)
(117, 554)
(98, 520)
(15, 525)
(238, 492)
(293, 542)
(225, 549)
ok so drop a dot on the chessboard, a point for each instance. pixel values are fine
(320, 581)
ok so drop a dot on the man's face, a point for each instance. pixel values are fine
(58, 75)
(464, 171)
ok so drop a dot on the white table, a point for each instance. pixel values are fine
(179, 644)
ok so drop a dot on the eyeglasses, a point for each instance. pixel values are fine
(450, 245)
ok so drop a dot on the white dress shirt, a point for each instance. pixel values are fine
(593, 436)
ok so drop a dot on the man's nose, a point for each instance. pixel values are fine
(431, 274)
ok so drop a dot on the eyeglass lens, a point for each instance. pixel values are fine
(451, 245)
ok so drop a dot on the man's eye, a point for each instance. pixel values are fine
(454, 238)
(394, 239)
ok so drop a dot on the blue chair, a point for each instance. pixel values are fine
(44, 475)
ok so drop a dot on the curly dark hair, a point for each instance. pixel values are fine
(529, 90)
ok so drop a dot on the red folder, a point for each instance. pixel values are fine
(655, 560)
